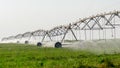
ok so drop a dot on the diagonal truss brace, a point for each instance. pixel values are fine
(69, 28)
(46, 34)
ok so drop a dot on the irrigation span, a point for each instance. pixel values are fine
(102, 26)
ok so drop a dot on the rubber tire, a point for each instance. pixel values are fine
(26, 42)
(39, 44)
(18, 42)
(58, 45)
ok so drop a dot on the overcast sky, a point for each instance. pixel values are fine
(19, 16)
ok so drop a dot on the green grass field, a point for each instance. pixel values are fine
(29, 56)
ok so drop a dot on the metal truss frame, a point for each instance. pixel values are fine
(89, 23)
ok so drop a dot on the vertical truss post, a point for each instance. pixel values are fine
(80, 34)
(105, 34)
(114, 30)
(85, 34)
(114, 33)
(99, 34)
(90, 34)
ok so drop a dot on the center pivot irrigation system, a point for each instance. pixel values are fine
(101, 26)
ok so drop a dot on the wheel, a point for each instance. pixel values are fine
(26, 42)
(39, 44)
(58, 45)
(18, 42)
